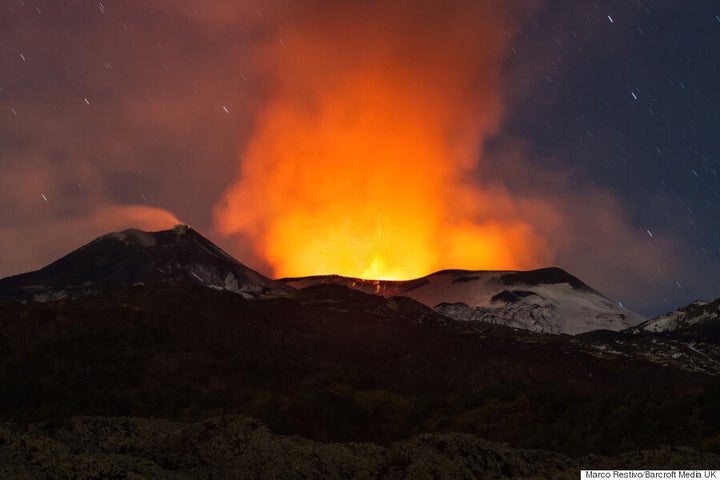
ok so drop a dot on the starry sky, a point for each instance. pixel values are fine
(605, 136)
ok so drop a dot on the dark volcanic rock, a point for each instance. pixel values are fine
(544, 276)
(242, 448)
(513, 296)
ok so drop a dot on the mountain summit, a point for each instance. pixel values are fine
(136, 257)
(547, 300)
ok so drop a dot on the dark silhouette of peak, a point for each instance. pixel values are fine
(132, 257)
(545, 276)
(514, 296)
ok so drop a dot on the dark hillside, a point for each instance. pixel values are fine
(334, 364)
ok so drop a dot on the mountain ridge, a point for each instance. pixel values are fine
(132, 256)
(686, 317)
(546, 300)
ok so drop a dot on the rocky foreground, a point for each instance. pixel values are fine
(236, 447)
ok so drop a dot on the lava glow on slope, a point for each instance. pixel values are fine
(362, 158)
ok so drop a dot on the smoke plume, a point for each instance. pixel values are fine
(362, 158)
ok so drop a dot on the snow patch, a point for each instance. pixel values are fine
(231, 283)
(693, 314)
(120, 236)
(145, 239)
(49, 296)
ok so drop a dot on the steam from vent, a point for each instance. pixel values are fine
(362, 161)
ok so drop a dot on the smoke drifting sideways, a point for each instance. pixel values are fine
(363, 158)
(36, 244)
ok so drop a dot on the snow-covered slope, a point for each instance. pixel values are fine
(694, 314)
(135, 257)
(547, 300)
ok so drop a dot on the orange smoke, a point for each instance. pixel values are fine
(362, 159)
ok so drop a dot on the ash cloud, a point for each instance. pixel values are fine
(360, 158)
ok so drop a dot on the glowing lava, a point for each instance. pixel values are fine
(361, 161)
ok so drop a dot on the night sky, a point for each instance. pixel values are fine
(604, 135)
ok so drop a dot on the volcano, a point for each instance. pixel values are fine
(136, 257)
(547, 300)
